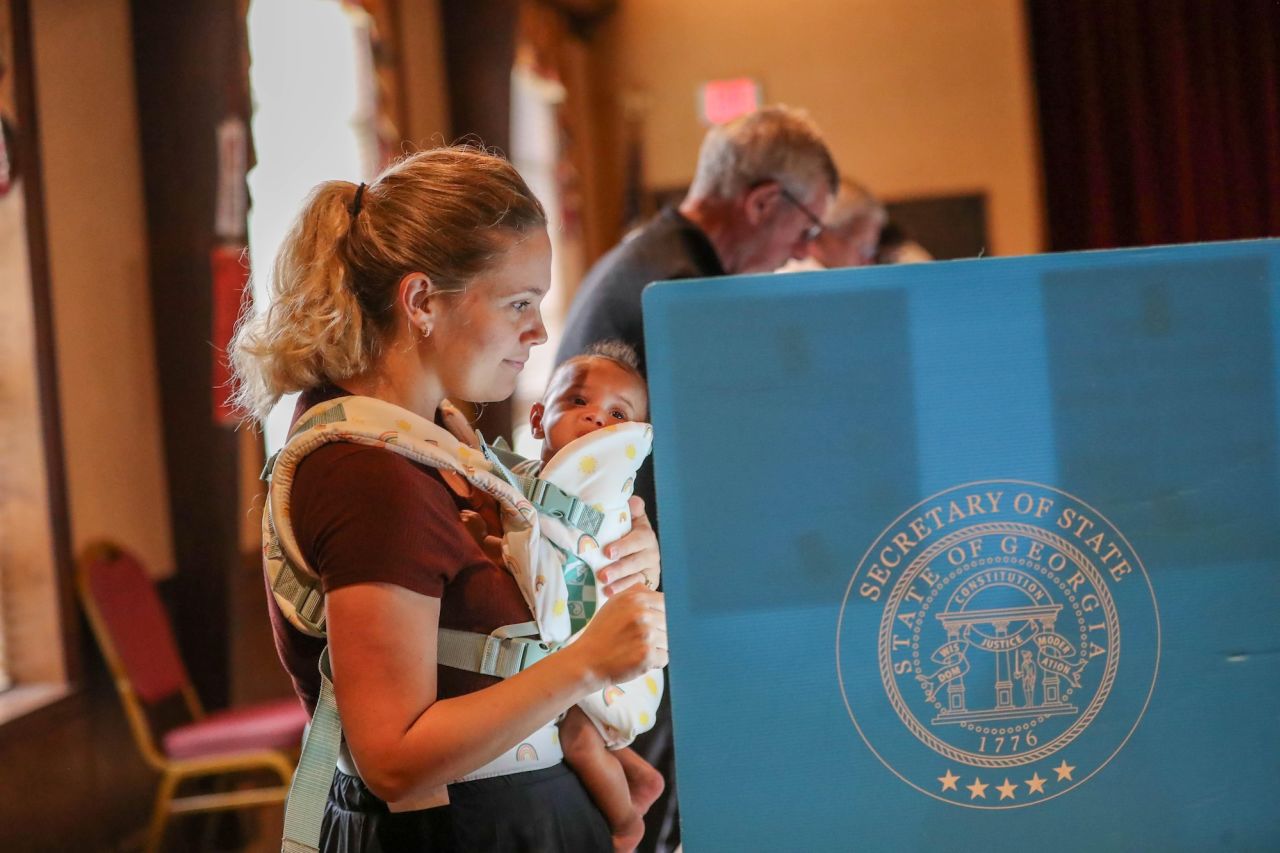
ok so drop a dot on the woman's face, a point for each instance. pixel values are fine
(483, 335)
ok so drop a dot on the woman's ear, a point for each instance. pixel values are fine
(760, 201)
(414, 296)
(535, 421)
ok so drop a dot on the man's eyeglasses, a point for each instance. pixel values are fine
(812, 232)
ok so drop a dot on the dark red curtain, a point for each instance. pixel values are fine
(1159, 119)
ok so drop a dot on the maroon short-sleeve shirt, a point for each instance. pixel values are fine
(368, 515)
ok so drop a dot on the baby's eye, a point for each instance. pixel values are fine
(619, 414)
(579, 401)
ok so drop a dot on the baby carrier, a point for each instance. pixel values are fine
(551, 544)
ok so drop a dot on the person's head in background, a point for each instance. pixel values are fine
(898, 247)
(762, 185)
(588, 392)
(851, 229)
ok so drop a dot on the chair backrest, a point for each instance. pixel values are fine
(135, 636)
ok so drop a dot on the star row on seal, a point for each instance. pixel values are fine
(1008, 790)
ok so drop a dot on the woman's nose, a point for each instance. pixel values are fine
(537, 333)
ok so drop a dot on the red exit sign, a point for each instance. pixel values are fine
(720, 101)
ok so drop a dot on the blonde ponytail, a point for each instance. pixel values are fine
(332, 289)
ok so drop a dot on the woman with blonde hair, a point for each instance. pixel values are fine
(425, 285)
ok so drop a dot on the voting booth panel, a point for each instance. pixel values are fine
(974, 555)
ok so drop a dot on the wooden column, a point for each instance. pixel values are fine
(479, 38)
(190, 75)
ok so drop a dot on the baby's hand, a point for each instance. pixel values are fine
(491, 545)
(475, 525)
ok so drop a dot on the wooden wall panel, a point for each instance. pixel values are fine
(189, 77)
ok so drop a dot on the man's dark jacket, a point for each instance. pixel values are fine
(607, 305)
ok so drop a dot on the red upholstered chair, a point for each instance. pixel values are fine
(137, 641)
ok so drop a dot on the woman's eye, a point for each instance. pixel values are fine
(521, 305)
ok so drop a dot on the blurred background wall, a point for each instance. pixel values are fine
(916, 97)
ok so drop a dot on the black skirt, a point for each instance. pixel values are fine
(541, 811)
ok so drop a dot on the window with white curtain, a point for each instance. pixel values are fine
(314, 119)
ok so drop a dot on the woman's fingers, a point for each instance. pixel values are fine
(635, 556)
(654, 620)
(629, 561)
(628, 636)
(639, 537)
(626, 574)
(654, 601)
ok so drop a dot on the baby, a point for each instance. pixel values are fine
(587, 393)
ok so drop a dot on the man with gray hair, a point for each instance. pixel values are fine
(762, 184)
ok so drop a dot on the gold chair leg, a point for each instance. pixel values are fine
(160, 813)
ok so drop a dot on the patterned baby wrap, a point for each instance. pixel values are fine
(559, 582)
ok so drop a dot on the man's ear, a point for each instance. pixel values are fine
(414, 294)
(760, 201)
(535, 421)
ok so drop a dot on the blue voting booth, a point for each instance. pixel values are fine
(976, 555)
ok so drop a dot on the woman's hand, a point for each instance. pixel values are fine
(626, 638)
(408, 745)
(636, 562)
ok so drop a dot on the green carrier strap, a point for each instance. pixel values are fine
(549, 498)
(554, 501)
(503, 653)
(333, 415)
(305, 595)
(304, 810)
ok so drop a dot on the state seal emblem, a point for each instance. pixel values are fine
(998, 644)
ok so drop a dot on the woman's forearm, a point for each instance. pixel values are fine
(453, 737)
(382, 644)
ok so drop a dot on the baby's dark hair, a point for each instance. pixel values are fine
(615, 350)
(619, 352)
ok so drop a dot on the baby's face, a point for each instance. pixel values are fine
(586, 395)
